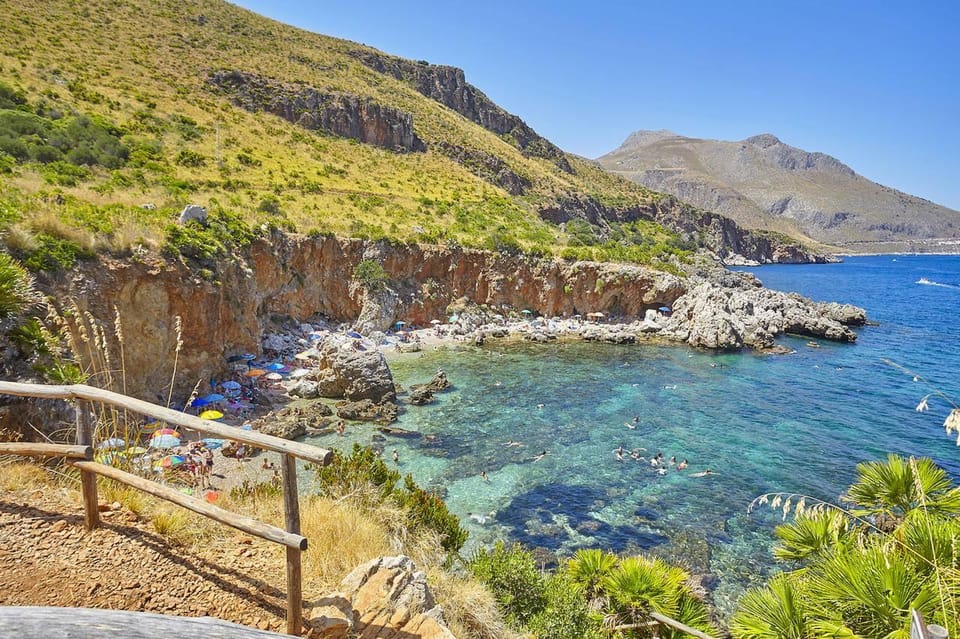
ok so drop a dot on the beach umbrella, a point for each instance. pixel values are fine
(236, 358)
(170, 461)
(454, 318)
(211, 414)
(354, 335)
(231, 385)
(527, 311)
(113, 442)
(198, 401)
(212, 443)
(163, 441)
(106, 458)
(435, 322)
(399, 324)
(300, 372)
(134, 450)
(256, 372)
(213, 397)
(275, 366)
(166, 431)
(273, 377)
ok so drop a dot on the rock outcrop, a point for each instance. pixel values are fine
(717, 316)
(340, 114)
(385, 598)
(347, 370)
(448, 86)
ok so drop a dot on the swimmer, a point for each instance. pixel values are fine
(480, 519)
(703, 473)
(396, 456)
(539, 457)
(654, 462)
(662, 471)
(673, 460)
(540, 405)
(498, 383)
(636, 419)
(483, 475)
(619, 453)
(629, 425)
(682, 465)
(512, 443)
(340, 427)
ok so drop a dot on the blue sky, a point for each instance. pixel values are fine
(875, 84)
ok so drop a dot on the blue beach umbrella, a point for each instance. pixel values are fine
(231, 385)
(113, 442)
(212, 443)
(199, 401)
(354, 334)
(163, 441)
(214, 397)
(275, 366)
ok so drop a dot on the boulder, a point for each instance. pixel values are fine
(367, 411)
(304, 388)
(385, 598)
(293, 422)
(420, 395)
(193, 212)
(346, 370)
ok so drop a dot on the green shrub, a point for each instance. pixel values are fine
(17, 292)
(222, 232)
(52, 253)
(11, 98)
(565, 614)
(269, 205)
(371, 275)
(62, 173)
(428, 509)
(511, 574)
(189, 158)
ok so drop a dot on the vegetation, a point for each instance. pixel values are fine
(860, 571)
(87, 109)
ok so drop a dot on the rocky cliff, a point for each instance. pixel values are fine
(764, 183)
(298, 277)
(448, 86)
(341, 114)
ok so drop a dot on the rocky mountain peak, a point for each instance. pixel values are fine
(764, 140)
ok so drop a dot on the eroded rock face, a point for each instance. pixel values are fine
(342, 114)
(385, 598)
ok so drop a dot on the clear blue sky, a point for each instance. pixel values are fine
(875, 84)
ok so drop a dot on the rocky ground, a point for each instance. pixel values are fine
(48, 559)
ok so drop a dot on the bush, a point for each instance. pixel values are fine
(189, 158)
(52, 253)
(511, 574)
(371, 275)
(16, 288)
(428, 510)
(565, 614)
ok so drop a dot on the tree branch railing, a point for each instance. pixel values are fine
(81, 455)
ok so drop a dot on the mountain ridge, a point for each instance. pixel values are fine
(764, 183)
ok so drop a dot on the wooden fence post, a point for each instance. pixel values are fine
(291, 516)
(920, 630)
(88, 480)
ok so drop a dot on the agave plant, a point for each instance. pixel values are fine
(900, 485)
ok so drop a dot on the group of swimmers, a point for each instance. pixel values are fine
(657, 461)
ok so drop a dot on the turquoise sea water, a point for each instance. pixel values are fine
(797, 423)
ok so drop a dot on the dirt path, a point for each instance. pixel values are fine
(48, 559)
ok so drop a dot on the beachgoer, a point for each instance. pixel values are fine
(340, 427)
(673, 460)
(483, 475)
(539, 405)
(512, 443)
(265, 465)
(702, 473)
(682, 465)
(480, 519)
(540, 456)
(619, 455)
(396, 456)
(662, 471)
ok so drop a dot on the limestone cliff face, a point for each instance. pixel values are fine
(339, 114)
(449, 86)
(298, 277)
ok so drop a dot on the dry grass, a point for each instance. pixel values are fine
(468, 606)
(17, 475)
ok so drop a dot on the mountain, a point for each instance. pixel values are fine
(763, 183)
(116, 115)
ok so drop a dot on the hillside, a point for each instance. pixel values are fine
(763, 183)
(114, 116)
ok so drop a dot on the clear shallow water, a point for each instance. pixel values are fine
(797, 423)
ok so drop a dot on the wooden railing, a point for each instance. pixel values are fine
(81, 457)
(920, 630)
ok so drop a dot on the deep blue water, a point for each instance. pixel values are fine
(797, 423)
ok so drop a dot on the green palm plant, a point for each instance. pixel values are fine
(811, 533)
(775, 611)
(589, 567)
(899, 485)
(640, 586)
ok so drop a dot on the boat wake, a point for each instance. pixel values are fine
(927, 282)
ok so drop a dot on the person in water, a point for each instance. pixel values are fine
(396, 456)
(682, 465)
(540, 456)
(483, 475)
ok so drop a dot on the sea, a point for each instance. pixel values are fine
(797, 423)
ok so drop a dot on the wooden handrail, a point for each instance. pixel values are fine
(39, 449)
(240, 522)
(309, 453)
(673, 623)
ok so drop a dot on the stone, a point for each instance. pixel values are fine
(193, 212)
(367, 411)
(384, 597)
(421, 395)
(346, 370)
